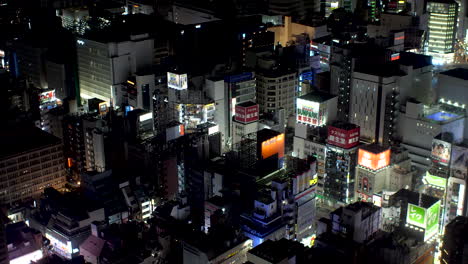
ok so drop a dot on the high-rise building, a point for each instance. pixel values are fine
(374, 103)
(105, 64)
(443, 15)
(30, 161)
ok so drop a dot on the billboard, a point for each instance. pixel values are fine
(373, 161)
(441, 151)
(308, 112)
(246, 114)
(272, 146)
(416, 215)
(459, 162)
(343, 138)
(177, 81)
(432, 220)
(47, 97)
(395, 56)
(435, 180)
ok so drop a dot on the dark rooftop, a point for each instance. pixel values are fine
(344, 125)
(14, 141)
(247, 104)
(317, 96)
(276, 251)
(460, 73)
(265, 134)
(420, 199)
(416, 60)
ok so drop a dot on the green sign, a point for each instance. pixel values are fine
(308, 112)
(432, 221)
(416, 215)
(435, 180)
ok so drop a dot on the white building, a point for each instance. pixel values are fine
(420, 123)
(373, 104)
(103, 65)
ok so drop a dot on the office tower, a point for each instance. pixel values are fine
(372, 171)
(443, 15)
(30, 160)
(374, 103)
(453, 249)
(340, 163)
(276, 89)
(105, 63)
(30, 55)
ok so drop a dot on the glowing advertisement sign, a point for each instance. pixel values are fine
(432, 220)
(177, 81)
(441, 151)
(373, 161)
(272, 146)
(416, 215)
(435, 180)
(47, 97)
(308, 112)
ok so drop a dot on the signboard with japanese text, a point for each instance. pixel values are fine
(308, 112)
(416, 215)
(343, 138)
(432, 220)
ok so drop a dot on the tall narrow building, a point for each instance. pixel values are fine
(443, 15)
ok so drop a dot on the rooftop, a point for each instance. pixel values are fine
(276, 251)
(317, 96)
(460, 73)
(420, 199)
(344, 125)
(416, 60)
(247, 104)
(15, 141)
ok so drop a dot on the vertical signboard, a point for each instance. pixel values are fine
(441, 151)
(432, 220)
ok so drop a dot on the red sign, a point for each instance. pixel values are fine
(246, 114)
(343, 138)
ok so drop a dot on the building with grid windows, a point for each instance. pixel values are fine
(442, 29)
(30, 161)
